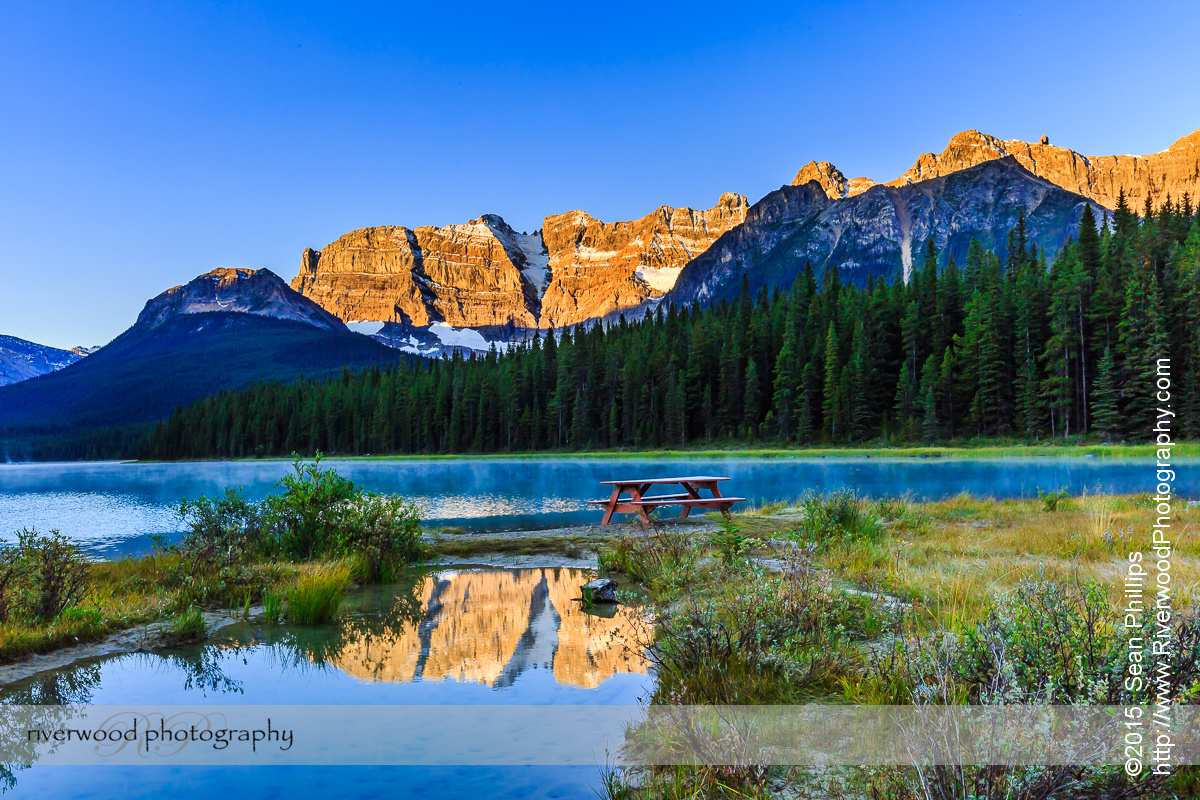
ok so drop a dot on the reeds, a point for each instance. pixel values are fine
(315, 597)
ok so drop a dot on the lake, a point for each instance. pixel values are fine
(113, 507)
(475, 638)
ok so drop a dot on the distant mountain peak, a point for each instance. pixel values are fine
(1169, 172)
(21, 360)
(247, 291)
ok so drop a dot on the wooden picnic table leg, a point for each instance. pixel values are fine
(715, 488)
(692, 495)
(636, 492)
(612, 505)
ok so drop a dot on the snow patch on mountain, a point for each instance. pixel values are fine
(366, 328)
(537, 260)
(660, 279)
(463, 337)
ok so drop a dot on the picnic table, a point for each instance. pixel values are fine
(638, 502)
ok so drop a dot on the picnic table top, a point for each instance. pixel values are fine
(685, 479)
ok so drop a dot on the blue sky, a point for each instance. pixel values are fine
(142, 144)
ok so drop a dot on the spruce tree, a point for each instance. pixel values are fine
(1106, 413)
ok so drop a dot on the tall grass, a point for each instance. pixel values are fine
(315, 597)
(188, 626)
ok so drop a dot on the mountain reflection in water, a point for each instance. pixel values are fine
(491, 626)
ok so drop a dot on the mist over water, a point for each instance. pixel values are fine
(114, 507)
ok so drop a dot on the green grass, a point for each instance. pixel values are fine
(972, 449)
(314, 598)
(188, 626)
(273, 607)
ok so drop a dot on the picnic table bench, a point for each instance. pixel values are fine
(642, 504)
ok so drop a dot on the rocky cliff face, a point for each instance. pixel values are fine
(598, 269)
(880, 232)
(259, 292)
(463, 275)
(835, 185)
(486, 276)
(1100, 178)
(21, 360)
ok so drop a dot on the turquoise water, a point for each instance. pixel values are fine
(455, 637)
(114, 506)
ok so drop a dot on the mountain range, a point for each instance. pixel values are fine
(428, 290)
(225, 329)
(21, 360)
(465, 288)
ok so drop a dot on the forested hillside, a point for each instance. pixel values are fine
(1000, 345)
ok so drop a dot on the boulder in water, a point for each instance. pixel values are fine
(601, 590)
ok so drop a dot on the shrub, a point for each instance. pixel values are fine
(385, 531)
(223, 531)
(840, 517)
(10, 577)
(772, 639)
(55, 572)
(310, 518)
(663, 561)
(1053, 501)
(199, 587)
(315, 597)
(732, 545)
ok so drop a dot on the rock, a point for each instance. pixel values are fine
(1100, 178)
(464, 275)
(831, 180)
(484, 275)
(599, 269)
(601, 590)
(259, 292)
(879, 232)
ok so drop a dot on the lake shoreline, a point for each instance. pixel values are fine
(1039, 450)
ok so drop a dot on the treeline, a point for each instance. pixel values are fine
(1001, 345)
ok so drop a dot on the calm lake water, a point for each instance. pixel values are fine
(114, 506)
(466, 637)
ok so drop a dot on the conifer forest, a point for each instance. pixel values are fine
(1019, 344)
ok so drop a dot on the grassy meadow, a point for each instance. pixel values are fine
(840, 599)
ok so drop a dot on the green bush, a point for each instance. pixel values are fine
(663, 561)
(311, 517)
(732, 545)
(385, 531)
(223, 531)
(10, 579)
(770, 639)
(318, 514)
(840, 517)
(47, 574)
(1053, 501)
(315, 597)
(205, 587)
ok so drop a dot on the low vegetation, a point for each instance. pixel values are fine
(296, 553)
(315, 598)
(838, 598)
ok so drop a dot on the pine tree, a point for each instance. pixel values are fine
(1106, 414)
(753, 401)
(831, 406)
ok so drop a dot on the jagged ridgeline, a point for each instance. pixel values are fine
(997, 344)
